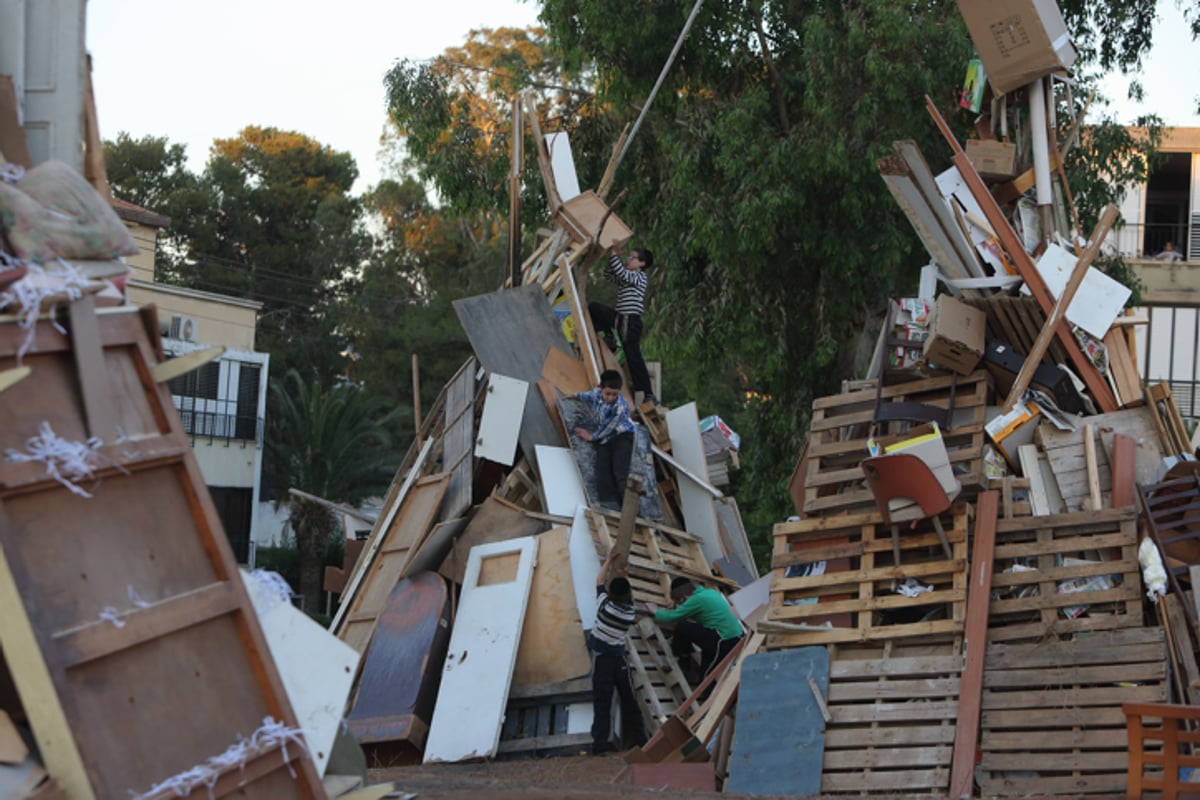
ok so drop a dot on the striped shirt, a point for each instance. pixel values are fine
(612, 418)
(612, 621)
(631, 297)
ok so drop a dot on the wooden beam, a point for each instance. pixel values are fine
(514, 193)
(629, 508)
(553, 198)
(1058, 313)
(970, 693)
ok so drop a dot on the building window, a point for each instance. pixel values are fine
(220, 400)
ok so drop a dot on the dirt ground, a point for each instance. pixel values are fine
(573, 777)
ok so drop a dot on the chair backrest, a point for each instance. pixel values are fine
(901, 475)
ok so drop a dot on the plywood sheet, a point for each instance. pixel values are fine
(780, 738)
(511, 332)
(483, 649)
(495, 520)
(699, 515)
(122, 605)
(397, 547)
(552, 648)
(566, 372)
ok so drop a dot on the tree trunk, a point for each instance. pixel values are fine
(312, 524)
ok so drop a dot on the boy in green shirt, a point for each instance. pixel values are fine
(704, 619)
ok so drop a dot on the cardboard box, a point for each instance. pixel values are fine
(1018, 41)
(1009, 431)
(956, 335)
(993, 160)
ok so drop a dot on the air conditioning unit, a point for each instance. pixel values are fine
(183, 328)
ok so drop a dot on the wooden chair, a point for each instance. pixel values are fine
(1171, 510)
(904, 476)
(1165, 748)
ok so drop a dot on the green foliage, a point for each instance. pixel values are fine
(331, 443)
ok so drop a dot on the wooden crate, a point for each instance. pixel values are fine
(893, 720)
(1027, 605)
(184, 671)
(1051, 718)
(859, 578)
(842, 424)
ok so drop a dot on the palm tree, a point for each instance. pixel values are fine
(332, 443)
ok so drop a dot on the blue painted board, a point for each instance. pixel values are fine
(779, 735)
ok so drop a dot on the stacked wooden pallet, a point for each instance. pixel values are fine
(845, 586)
(842, 425)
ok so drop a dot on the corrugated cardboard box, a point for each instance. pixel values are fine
(993, 160)
(1018, 41)
(956, 335)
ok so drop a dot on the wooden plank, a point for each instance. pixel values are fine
(552, 647)
(397, 547)
(458, 440)
(978, 595)
(95, 388)
(483, 649)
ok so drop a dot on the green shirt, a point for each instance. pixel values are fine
(708, 607)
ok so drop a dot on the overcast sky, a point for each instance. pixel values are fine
(197, 71)
(202, 70)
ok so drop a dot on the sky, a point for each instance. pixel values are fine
(194, 71)
(198, 70)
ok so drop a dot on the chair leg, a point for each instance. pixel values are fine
(937, 524)
(896, 544)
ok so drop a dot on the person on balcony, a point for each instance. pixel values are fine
(1169, 253)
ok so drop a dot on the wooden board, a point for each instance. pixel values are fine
(1066, 453)
(99, 696)
(552, 648)
(483, 648)
(842, 424)
(699, 515)
(495, 520)
(1030, 602)
(893, 720)
(780, 728)
(565, 372)
(458, 440)
(511, 332)
(857, 580)
(1052, 720)
(401, 671)
(398, 545)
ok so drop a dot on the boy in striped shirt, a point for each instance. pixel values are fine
(610, 670)
(626, 318)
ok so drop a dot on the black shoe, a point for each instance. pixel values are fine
(601, 748)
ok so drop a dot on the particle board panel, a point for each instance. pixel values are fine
(1037, 593)
(126, 608)
(552, 647)
(780, 738)
(842, 424)
(1052, 722)
(511, 331)
(856, 577)
(892, 720)
(397, 547)
(483, 649)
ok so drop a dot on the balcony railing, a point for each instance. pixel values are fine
(221, 422)
(1148, 240)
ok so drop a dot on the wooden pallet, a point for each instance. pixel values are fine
(184, 671)
(655, 556)
(893, 720)
(1051, 718)
(538, 720)
(1017, 321)
(842, 424)
(859, 577)
(1027, 605)
(657, 679)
